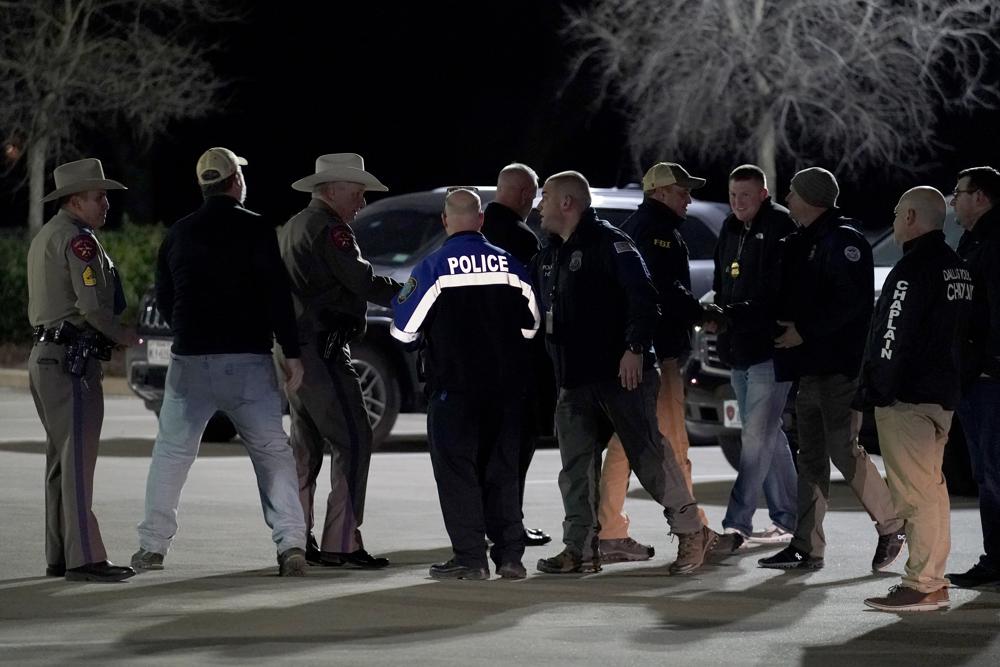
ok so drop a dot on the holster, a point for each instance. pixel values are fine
(339, 330)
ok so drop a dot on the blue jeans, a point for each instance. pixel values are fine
(765, 459)
(245, 388)
(979, 413)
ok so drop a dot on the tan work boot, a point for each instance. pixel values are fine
(692, 549)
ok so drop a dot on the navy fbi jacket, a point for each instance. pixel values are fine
(915, 343)
(598, 298)
(476, 308)
(827, 289)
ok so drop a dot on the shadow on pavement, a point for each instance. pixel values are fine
(127, 447)
(940, 638)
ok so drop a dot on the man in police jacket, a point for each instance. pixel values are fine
(599, 311)
(475, 306)
(976, 201)
(911, 375)
(825, 307)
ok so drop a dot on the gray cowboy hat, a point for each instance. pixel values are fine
(80, 176)
(346, 167)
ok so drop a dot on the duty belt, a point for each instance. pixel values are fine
(59, 335)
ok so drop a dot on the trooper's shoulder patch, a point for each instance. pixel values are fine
(342, 237)
(84, 247)
(409, 287)
(89, 279)
(852, 253)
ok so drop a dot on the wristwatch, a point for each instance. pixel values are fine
(636, 348)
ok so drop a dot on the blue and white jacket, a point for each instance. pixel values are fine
(475, 307)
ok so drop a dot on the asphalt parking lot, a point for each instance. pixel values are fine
(220, 602)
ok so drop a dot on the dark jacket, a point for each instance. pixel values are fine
(221, 285)
(746, 284)
(920, 321)
(827, 289)
(504, 228)
(654, 228)
(475, 306)
(981, 249)
(596, 300)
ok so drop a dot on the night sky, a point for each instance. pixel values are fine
(430, 94)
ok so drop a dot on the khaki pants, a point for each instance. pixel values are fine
(328, 415)
(616, 472)
(72, 411)
(912, 437)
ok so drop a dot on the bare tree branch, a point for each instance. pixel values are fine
(71, 65)
(852, 84)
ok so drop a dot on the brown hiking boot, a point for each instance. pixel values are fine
(567, 562)
(692, 549)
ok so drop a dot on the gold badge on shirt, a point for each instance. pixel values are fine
(89, 279)
(734, 269)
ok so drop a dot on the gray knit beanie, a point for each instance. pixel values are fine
(816, 186)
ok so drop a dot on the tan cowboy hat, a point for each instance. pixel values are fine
(347, 167)
(80, 176)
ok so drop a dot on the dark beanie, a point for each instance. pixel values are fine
(816, 186)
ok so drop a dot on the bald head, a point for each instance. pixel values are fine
(571, 184)
(565, 197)
(920, 210)
(463, 212)
(517, 186)
(929, 205)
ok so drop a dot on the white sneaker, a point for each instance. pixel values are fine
(771, 535)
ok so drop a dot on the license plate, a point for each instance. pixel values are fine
(158, 352)
(731, 414)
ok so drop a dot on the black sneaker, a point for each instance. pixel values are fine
(791, 558)
(976, 576)
(887, 550)
(453, 570)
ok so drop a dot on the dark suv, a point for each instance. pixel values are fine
(395, 233)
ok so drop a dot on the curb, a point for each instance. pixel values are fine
(17, 378)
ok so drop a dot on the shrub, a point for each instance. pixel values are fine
(133, 249)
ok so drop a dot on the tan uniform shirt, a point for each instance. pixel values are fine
(71, 278)
(329, 276)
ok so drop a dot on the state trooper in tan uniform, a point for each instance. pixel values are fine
(331, 285)
(74, 301)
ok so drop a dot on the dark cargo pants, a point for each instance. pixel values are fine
(827, 433)
(586, 417)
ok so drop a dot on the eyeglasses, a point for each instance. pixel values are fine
(957, 192)
(467, 188)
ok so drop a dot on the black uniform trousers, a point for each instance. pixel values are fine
(475, 440)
